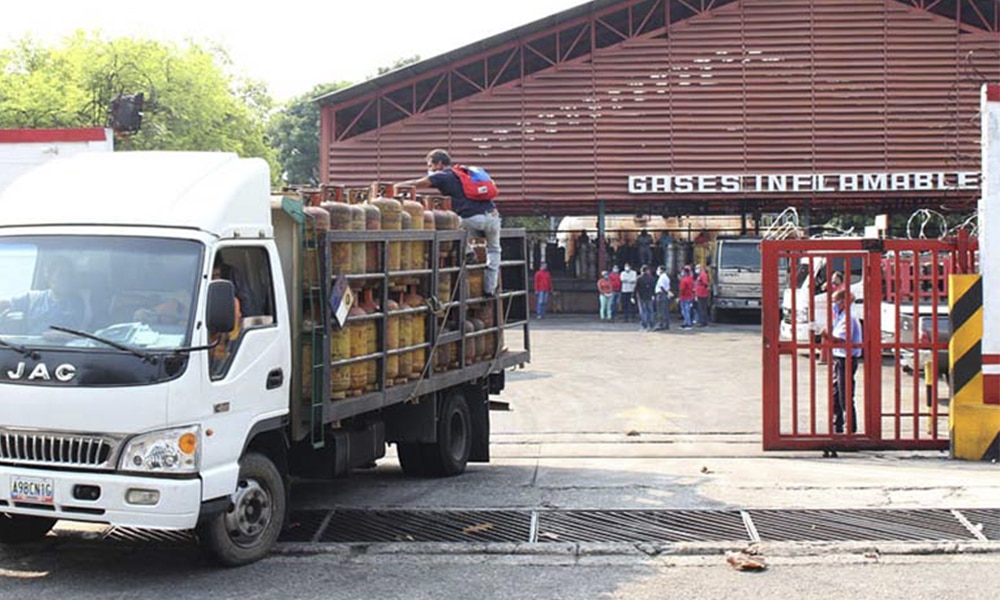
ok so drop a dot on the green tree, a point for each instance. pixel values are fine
(294, 130)
(192, 99)
(294, 133)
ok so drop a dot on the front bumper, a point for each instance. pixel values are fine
(178, 506)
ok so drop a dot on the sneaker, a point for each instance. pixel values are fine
(685, 327)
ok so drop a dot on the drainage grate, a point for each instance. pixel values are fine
(640, 526)
(145, 536)
(427, 526)
(575, 526)
(985, 520)
(304, 525)
(859, 525)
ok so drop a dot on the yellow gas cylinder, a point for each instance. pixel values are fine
(488, 316)
(470, 342)
(429, 222)
(406, 248)
(440, 354)
(340, 252)
(475, 278)
(418, 258)
(391, 211)
(358, 254)
(444, 287)
(340, 349)
(405, 341)
(373, 251)
(359, 346)
(392, 361)
(418, 332)
(317, 224)
(480, 344)
(371, 340)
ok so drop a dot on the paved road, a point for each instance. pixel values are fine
(605, 417)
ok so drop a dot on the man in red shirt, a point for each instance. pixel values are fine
(701, 289)
(616, 291)
(686, 296)
(543, 288)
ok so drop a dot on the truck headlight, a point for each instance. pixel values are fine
(166, 451)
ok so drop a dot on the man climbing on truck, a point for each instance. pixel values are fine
(478, 216)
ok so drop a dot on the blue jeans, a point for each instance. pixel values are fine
(605, 300)
(628, 309)
(686, 312)
(488, 224)
(646, 313)
(663, 311)
(541, 303)
(615, 304)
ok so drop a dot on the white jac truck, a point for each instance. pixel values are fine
(172, 336)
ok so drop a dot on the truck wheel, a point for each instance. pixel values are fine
(18, 529)
(414, 458)
(454, 437)
(250, 527)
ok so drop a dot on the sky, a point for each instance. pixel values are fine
(341, 40)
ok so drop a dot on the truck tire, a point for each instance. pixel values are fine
(19, 529)
(250, 527)
(414, 458)
(454, 437)
(449, 455)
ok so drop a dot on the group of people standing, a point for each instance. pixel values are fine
(629, 293)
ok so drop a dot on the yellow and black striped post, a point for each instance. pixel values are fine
(974, 425)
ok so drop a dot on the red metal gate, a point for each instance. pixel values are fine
(897, 289)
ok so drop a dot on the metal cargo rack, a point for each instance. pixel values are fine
(510, 310)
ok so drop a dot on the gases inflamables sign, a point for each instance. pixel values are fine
(818, 183)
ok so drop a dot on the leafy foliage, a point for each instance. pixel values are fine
(193, 102)
(294, 133)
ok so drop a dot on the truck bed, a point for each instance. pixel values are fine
(311, 407)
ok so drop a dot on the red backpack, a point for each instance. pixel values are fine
(476, 182)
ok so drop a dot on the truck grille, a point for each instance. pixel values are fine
(56, 449)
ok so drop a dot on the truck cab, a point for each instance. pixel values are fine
(131, 385)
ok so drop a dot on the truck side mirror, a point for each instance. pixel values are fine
(220, 313)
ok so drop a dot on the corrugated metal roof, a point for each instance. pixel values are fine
(442, 60)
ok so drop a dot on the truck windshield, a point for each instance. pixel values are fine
(134, 291)
(740, 255)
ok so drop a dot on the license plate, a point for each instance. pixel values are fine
(35, 490)
(754, 303)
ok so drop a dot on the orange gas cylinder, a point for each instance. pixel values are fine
(340, 252)
(405, 341)
(371, 340)
(418, 332)
(406, 248)
(358, 254)
(392, 361)
(316, 225)
(391, 211)
(429, 220)
(340, 349)
(359, 345)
